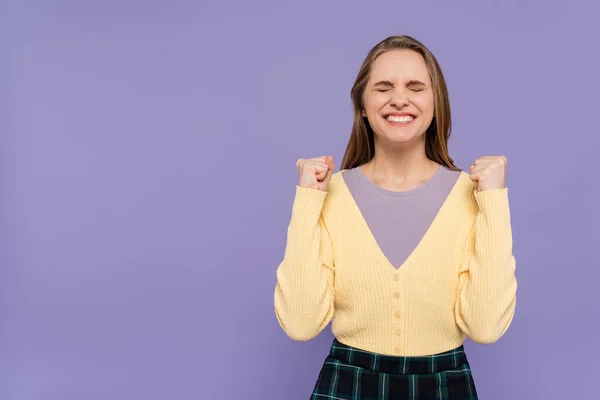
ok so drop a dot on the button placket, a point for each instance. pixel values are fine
(397, 313)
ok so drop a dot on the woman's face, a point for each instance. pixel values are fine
(398, 98)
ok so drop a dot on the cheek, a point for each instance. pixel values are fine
(424, 103)
(374, 102)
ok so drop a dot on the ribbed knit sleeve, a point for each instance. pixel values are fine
(487, 287)
(304, 290)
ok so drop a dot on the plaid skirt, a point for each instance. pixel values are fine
(353, 374)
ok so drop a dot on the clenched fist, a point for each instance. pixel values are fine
(489, 172)
(314, 173)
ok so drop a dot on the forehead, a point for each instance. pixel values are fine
(399, 65)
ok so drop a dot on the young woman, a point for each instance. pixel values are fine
(405, 253)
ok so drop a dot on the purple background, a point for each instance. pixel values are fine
(147, 172)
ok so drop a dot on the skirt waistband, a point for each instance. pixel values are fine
(375, 362)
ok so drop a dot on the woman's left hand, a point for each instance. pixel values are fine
(489, 172)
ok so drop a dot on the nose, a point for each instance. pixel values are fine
(399, 98)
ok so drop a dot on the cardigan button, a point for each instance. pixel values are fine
(397, 314)
(396, 277)
(397, 350)
(397, 295)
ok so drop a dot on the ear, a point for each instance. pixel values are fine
(364, 113)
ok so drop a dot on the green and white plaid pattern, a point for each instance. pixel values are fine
(353, 374)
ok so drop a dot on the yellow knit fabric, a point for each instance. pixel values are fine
(459, 281)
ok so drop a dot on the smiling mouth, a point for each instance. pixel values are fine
(399, 120)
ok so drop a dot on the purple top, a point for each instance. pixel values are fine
(399, 220)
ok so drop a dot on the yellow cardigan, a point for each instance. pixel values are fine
(459, 281)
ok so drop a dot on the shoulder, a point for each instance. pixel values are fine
(337, 186)
(337, 179)
(337, 191)
(466, 191)
(475, 201)
(466, 184)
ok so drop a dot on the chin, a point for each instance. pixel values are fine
(401, 137)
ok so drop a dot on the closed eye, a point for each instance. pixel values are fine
(383, 86)
(416, 86)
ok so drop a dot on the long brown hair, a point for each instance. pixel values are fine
(361, 147)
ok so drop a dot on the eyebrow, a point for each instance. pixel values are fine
(412, 82)
(415, 83)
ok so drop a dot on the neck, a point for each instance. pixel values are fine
(400, 167)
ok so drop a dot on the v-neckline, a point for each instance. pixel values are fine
(367, 234)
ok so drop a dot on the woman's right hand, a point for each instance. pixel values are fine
(315, 173)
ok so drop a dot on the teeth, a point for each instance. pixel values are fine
(404, 118)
